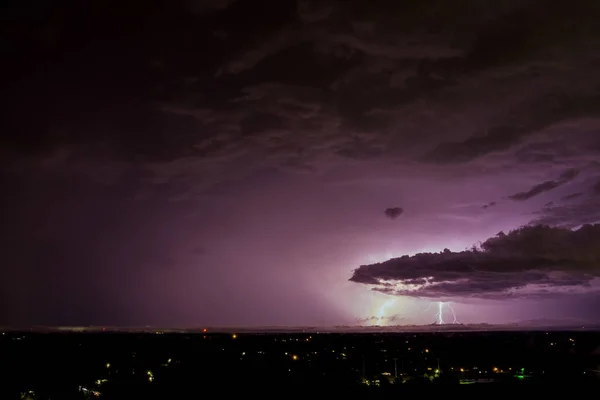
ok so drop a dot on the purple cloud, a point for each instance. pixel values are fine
(526, 262)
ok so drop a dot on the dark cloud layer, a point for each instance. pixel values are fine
(572, 211)
(547, 186)
(574, 215)
(571, 196)
(527, 262)
(299, 80)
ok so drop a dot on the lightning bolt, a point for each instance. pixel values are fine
(440, 313)
(439, 316)
(455, 321)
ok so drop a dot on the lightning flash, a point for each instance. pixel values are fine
(382, 310)
(439, 316)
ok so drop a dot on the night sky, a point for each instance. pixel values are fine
(281, 162)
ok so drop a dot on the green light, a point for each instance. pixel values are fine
(520, 377)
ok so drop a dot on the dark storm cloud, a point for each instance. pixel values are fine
(508, 265)
(572, 196)
(496, 139)
(300, 82)
(579, 209)
(364, 93)
(393, 212)
(568, 175)
(536, 190)
(547, 186)
(586, 211)
(488, 205)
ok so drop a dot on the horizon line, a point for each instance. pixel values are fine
(309, 328)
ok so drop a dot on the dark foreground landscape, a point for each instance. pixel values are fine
(200, 365)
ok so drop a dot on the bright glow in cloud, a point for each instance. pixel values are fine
(383, 310)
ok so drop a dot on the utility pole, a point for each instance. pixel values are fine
(395, 369)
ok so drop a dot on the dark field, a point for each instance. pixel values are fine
(161, 365)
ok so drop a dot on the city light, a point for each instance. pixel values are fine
(387, 361)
